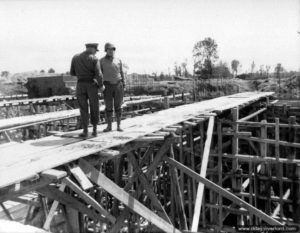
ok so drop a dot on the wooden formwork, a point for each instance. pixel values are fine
(208, 173)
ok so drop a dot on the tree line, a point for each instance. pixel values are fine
(206, 64)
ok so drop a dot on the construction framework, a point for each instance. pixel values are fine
(198, 167)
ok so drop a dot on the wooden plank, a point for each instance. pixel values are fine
(18, 153)
(52, 210)
(15, 122)
(178, 194)
(220, 171)
(88, 199)
(100, 179)
(190, 123)
(53, 174)
(254, 158)
(259, 124)
(224, 192)
(235, 148)
(150, 138)
(84, 182)
(12, 192)
(252, 115)
(204, 164)
(55, 194)
(25, 201)
(271, 141)
(6, 211)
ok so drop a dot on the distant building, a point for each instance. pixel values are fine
(50, 85)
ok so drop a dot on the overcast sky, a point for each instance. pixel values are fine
(150, 35)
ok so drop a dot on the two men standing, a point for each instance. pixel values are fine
(90, 77)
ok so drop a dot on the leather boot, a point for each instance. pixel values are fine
(109, 122)
(108, 128)
(119, 117)
(119, 126)
(84, 133)
(95, 134)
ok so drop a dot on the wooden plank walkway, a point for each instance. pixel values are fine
(22, 161)
(46, 100)
(37, 100)
(18, 122)
(13, 97)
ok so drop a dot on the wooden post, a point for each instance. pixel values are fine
(52, 210)
(178, 194)
(291, 151)
(204, 163)
(235, 145)
(118, 166)
(192, 157)
(166, 102)
(266, 170)
(279, 166)
(181, 159)
(296, 196)
(18, 111)
(250, 191)
(220, 171)
(73, 219)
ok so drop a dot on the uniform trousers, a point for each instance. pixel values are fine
(113, 98)
(87, 96)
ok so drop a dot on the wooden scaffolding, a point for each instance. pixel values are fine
(210, 167)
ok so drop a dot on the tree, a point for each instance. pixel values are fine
(205, 53)
(184, 70)
(154, 74)
(162, 76)
(234, 67)
(177, 70)
(221, 70)
(261, 70)
(252, 68)
(51, 71)
(4, 73)
(267, 70)
(278, 70)
(42, 71)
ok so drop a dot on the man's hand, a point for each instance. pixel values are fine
(95, 82)
(101, 89)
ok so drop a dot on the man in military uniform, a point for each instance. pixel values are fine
(89, 80)
(113, 80)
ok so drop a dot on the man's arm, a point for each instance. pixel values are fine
(122, 74)
(98, 73)
(72, 69)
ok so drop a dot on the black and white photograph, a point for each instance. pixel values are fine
(149, 116)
